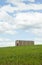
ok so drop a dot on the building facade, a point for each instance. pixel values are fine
(23, 43)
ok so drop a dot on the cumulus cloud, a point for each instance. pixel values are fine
(22, 20)
(12, 1)
(6, 25)
(4, 39)
(4, 42)
(31, 0)
(36, 31)
(31, 22)
(8, 8)
(28, 18)
(28, 21)
(7, 28)
(22, 6)
(11, 32)
(38, 42)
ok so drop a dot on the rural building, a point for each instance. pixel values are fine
(23, 43)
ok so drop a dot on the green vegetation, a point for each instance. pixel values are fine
(21, 55)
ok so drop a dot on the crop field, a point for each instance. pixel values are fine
(21, 55)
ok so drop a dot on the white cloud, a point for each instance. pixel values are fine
(22, 6)
(31, 0)
(6, 25)
(9, 24)
(7, 28)
(7, 8)
(33, 21)
(12, 1)
(4, 39)
(37, 31)
(38, 39)
(1, 39)
(10, 32)
(28, 18)
(22, 20)
(4, 42)
(38, 42)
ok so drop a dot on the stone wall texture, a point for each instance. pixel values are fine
(23, 43)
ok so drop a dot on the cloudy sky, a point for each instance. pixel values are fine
(20, 20)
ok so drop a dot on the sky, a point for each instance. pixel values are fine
(20, 20)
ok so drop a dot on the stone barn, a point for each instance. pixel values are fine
(23, 43)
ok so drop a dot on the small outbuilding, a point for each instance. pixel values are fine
(23, 43)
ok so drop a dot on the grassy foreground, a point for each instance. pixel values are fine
(21, 55)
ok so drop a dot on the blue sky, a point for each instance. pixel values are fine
(20, 20)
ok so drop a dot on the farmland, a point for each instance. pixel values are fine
(21, 55)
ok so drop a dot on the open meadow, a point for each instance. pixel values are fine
(21, 55)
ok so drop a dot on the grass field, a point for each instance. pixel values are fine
(21, 55)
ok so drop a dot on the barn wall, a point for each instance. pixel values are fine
(24, 43)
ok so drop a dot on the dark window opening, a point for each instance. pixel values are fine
(17, 44)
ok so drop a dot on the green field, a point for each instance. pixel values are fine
(21, 55)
